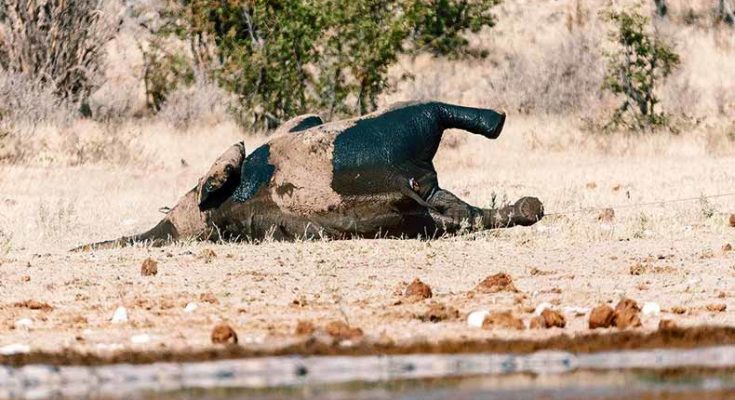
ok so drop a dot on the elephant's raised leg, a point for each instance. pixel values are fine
(453, 214)
(480, 121)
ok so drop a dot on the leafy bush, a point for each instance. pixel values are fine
(283, 58)
(636, 68)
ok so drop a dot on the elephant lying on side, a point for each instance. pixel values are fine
(371, 176)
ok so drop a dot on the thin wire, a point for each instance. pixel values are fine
(650, 203)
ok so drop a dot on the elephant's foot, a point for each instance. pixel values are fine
(525, 212)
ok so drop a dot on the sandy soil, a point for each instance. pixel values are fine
(671, 254)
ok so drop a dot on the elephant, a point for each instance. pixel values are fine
(369, 177)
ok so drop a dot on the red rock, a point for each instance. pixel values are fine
(601, 317)
(341, 331)
(304, 328)
(149, 267)
(438, 312)
(418, 290)
(500, 282)
(224, 334)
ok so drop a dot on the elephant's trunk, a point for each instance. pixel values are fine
(184, 221)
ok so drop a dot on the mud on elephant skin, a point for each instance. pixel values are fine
(371, 176)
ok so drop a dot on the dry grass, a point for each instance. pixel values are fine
(83, 180)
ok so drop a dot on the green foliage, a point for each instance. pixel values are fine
(163, 71)
(639, 64)
(286, 57)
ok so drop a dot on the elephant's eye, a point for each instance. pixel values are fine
(413, 184)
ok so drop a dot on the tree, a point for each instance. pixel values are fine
(286, 57)
(639, 63)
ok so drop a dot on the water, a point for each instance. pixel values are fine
(548, 374)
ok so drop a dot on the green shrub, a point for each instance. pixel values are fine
(637, 66)
(286, 57)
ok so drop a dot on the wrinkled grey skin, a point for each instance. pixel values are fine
(380, 167)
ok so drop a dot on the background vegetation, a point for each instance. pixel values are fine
(630, 67)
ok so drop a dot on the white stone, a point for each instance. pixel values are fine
(24, 323)
(15, 348)
(191, 307)
(120, 315)
(541, 307)
(142, 338)
(576, 311)
(651, 310)
(476, 318)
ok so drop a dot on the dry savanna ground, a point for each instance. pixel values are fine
(83, 181)
(671, 254)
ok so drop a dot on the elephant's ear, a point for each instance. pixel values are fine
(298, 124)
(222, 178)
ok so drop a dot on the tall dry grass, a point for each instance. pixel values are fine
(545, 67)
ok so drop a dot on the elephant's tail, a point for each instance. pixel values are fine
(185, 220)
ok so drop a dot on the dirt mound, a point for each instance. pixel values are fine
(34, 305)
(500, 282)
(224, 334)
(601, 317)
(417, 290)
(437, 312)
(341, 331)
(627, 314)
(304, 328)
(548, 319)
(502, 320)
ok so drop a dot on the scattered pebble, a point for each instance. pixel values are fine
(502, 320)
(548, 319)
(500, 282)
(418, 290)
(606, 215)
(15, 348)
(437, 312)
(191, 307)
(34, 305)
(304, 328)
(651, 310)
(149, 267)
(25, 278)
(207, 255)
(732, 220)
(601, 317)
(476, 318)
(208, 297)
(142, 338)
(666, 324)
(24, 323)
(120, 315)
(726, 248)
(717, 307)
(224, 334)
(341, 331)
(678, 310)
